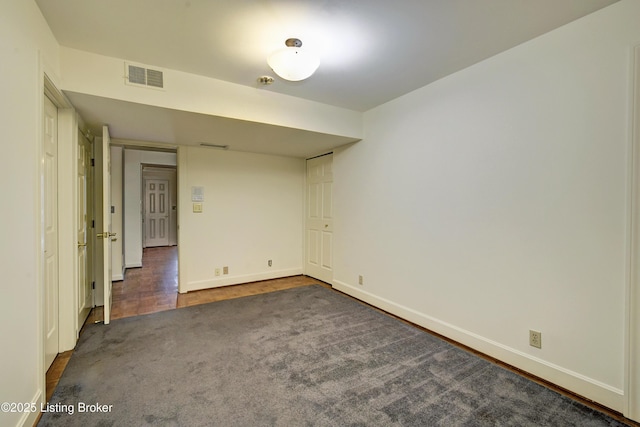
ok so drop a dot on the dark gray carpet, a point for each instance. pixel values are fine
(300, 357)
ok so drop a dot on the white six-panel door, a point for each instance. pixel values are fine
(319, 218)
(50, 154)
(156, 212)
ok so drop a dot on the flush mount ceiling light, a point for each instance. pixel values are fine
(293, 63)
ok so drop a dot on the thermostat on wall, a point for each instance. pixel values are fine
(197, 194)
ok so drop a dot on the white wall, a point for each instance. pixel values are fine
(27, 47)
(252, 212)
(494, 201)
(133, 161)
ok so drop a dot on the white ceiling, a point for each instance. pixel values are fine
(371, 51)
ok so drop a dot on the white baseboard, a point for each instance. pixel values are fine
(597, 391)
(118, 276)
(236, 280)
(133, 265)
(29, 418)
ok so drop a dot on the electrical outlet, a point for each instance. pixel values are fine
(360, 280)
(217, 271)
(535, 339)
(225, 270)
(270, 262)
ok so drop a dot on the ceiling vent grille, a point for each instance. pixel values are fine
(140, 76)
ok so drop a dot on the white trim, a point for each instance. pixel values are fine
(39, 226)
(631, 408)
(28, 418)
(305, 201)
(51, 91)
(183, 201)
(67, 226)
(134, 265)
(573, 381)
(236, 280)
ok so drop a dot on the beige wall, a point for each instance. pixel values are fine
(252, 212)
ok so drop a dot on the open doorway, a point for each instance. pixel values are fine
(145, 267)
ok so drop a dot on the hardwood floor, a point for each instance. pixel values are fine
(154, 287)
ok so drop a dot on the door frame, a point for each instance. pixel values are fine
(180, 168)
(632, 328)
(68, 125)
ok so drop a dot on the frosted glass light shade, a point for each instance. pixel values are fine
(293, 63)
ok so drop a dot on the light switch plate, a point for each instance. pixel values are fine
(197, 207)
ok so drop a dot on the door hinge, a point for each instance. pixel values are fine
(93, 162)
(93, 285)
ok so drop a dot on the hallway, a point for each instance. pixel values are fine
(148, 289)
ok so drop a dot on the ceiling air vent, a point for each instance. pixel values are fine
(154, 78)
(138, 75)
